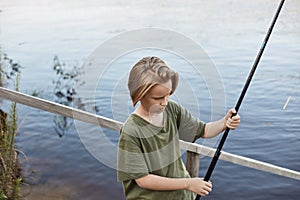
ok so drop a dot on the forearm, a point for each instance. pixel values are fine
(212, 129)
(154, 182)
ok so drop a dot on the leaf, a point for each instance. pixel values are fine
(2, 196)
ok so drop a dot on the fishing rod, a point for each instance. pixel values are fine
(242, 95)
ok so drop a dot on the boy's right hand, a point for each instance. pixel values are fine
(199, 186)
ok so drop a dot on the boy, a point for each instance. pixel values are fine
(149, 156)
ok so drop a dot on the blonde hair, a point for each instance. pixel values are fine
(146, 73)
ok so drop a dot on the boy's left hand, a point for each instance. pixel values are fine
(232, 122)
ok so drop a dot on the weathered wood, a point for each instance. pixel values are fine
(60, 109)
(241, 160)
(116, 125)
(193, 163)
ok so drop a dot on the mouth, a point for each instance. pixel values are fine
(157, 109)
(162, 108)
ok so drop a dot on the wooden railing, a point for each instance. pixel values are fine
(193, 150)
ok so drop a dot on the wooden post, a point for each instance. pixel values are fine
(193, 163)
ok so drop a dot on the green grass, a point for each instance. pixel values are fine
(10, 179)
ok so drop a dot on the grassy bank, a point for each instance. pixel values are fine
(10, 179)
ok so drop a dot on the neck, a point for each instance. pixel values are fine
(154, 118)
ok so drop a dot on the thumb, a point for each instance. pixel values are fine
(232, 112)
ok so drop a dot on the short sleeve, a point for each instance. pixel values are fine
(190, 128)
(131, 161)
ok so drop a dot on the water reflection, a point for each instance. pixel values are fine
(9, 68)
(64, 92)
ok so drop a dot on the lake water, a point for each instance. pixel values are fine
(69, 160)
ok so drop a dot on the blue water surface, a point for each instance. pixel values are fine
(230, 33)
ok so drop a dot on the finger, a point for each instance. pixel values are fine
(229, 123)
(237, 117)
(208, 189)
(209, 184)
(204, 193)
(232, 111)
(233, 123)
(232, 126)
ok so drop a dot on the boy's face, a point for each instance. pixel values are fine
(156, 99)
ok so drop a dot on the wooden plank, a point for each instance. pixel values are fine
(60, 109)
(240, 160)
(116, 125)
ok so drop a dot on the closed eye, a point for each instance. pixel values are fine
(158, 98)
(162, 97)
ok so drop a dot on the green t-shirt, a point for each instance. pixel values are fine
(148, 149)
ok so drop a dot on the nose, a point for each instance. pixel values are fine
(164, 102)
